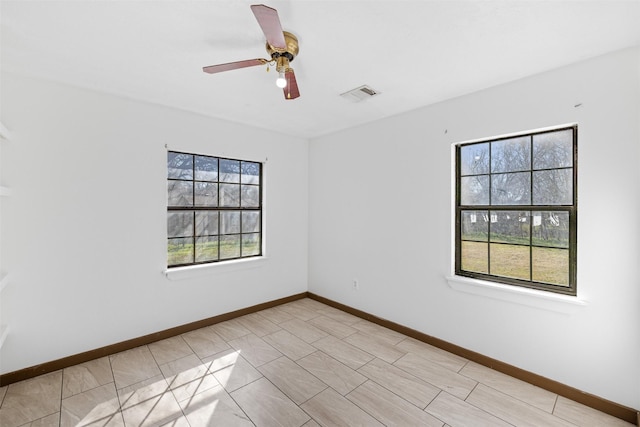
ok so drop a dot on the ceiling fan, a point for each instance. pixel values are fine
(282, 47)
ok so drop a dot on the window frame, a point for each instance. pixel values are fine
(570, 209)
(195, 208)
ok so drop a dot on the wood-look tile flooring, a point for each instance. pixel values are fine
(298, 364)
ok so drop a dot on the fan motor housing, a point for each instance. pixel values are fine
(290, 51)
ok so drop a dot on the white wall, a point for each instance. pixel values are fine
(84, 234)
(380, 212)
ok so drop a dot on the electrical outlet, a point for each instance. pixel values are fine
(356, 285)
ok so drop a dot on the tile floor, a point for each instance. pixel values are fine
(298, 364)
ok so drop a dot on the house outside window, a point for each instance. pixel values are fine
(516, 210)
(214, 209)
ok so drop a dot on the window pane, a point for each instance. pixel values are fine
(510, 261)
(230, 195)
(180, 193)
(180, 251)
(206, 223)
(509, 227)
(523, 231)
(511, 188)
(551, 265)
(553, 149)
(224, 201)
(474, 190)
(179, 224)
(250, 222)
(230, 222)
(230, 246)
(553, 187)
(179, 165)
(206, 168)
(206, 248)
(206, 194)
(250, 173)
(229, 170)
(550, 229)
(250, 244)
(474, 159)
(511, 155)
(475, 257)
(475, 225)
(250, 196)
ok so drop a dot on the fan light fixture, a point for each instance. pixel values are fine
(281, 46)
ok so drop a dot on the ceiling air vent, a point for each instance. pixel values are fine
(360, 93)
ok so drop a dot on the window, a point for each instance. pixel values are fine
(214, 209)
(516, 210)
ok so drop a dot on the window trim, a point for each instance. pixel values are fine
(571, 289)
(539, 299)
(221, 267)
(175, 269)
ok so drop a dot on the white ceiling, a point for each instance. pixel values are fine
(415, 53)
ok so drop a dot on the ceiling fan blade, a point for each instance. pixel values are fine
(291, 89)
(270, 23)
(212, 69)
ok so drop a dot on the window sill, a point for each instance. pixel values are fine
(195, 271)
(549, 301)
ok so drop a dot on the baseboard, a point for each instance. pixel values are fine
(604, 405)
(65, 362)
